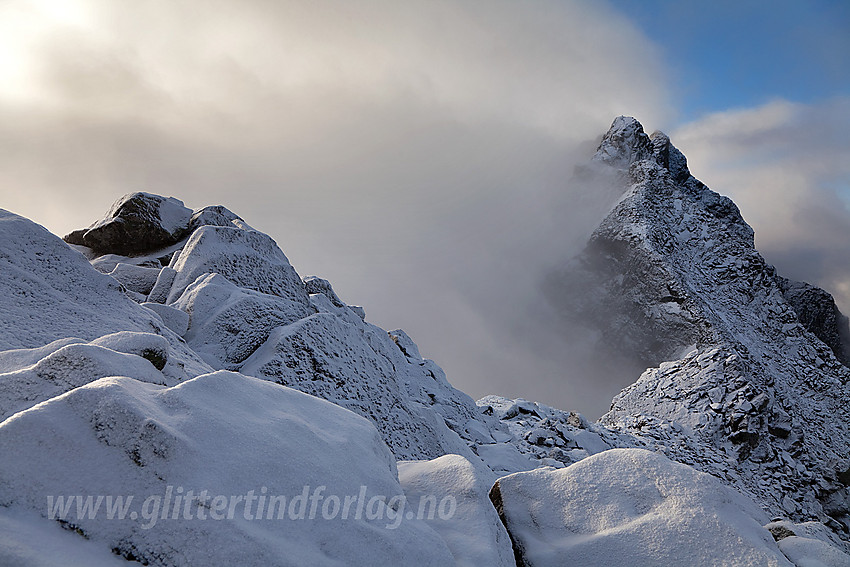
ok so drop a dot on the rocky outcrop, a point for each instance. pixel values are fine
(232, 295)
(137, 223)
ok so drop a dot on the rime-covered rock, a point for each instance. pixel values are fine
(140, 279)
(227, 323)
(247, 258)
(52, 293)
(357, 366)
(67, 367)
(818, 313)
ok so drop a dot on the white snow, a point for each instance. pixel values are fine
(173, 318)
(228, 434)
(29, 540)
(173, 215)
(633, 507)
(810, 552)
(227, 323)
(474, 533)
(355, 365)
(247, 258)
(51, 293)
(140, 279)
(67, 368)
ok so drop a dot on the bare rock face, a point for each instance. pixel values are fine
(136, 223)
(820, 316)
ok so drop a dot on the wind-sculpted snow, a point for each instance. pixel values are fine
(631, 507)
(219, 434)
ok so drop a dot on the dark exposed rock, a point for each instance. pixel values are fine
(818, 313)
(137, 223)
(499, 505)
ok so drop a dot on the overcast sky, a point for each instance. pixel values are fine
(418, 153)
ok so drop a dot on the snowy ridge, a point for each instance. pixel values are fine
(163, 347)
(759, 400)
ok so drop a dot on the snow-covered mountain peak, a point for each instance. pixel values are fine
(624, 144)
(749, 365)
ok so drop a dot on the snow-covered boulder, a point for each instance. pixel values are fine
(811, 552)
(228, 323)
(631, 507)
(140, 279)
(247, 258)
(51, 292)
(136, 223)
(162, 286)
(354, 365)
(175, 319)
(217, 215)
(474, 533)
(315, 284)
(67, 367)
(206, 464)
(810, 544)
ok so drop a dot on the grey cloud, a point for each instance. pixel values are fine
(417, 154)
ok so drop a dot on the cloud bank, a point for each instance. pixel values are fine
(417, 154)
